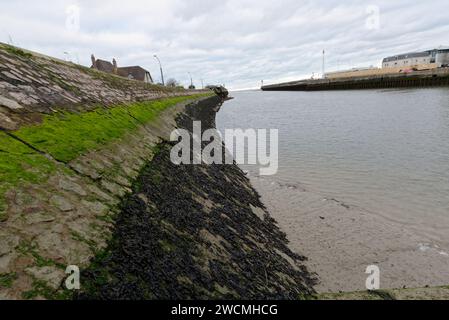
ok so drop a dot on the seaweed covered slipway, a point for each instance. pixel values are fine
(86, 182)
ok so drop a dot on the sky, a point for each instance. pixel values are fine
(237, 43)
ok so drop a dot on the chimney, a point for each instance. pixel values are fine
(114, 62)
(94, 61)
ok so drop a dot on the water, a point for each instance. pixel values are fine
(363, 179)
(386, 151)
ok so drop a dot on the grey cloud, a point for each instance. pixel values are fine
(236, 42)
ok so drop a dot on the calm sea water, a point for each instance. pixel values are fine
(385, 151)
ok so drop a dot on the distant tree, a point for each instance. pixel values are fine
(172, 83)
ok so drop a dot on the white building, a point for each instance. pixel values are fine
(440, 57)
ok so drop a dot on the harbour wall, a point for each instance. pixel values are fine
(72, 141)
(86, 180)
(428, 78)
(195, 232)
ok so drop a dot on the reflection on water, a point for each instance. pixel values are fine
(386, 151)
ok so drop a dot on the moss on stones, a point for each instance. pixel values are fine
(65, 136)
(40, 289)
(16, 51)
(7, 279)
(19, 164)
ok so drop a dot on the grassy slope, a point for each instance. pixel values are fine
(65, 136)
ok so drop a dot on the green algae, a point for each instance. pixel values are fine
(19, 164)
(40, 289)
(7, 279)
(65, 136)
(16, 51)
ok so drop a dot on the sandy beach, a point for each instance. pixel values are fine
(341, 240)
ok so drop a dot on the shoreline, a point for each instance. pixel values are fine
(333, 233)
(195, 232)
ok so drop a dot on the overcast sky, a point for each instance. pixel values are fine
(233, 42)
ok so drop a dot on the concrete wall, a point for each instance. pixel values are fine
(377, 71)
(424, 78)
(442, 58)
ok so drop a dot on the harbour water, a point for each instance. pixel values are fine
(363, 179)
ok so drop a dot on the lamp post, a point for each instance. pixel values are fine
(160, 66)
(324, 64)
(67, 56)
(191, 80)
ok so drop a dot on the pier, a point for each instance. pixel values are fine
(427, 78)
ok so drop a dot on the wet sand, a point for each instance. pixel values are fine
(341, 240)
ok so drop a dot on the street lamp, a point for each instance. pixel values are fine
(191, 80)
(324, 64)
(160, 65)
(67, 56)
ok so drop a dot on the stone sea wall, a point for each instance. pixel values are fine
(86, 181)
(33, 84)
(195, 232)
(66, 216)
(61, 177)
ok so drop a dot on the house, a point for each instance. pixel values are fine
(134, 72)
(103, 65)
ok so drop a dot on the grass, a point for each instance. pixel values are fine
(66, 136)
(16, 51)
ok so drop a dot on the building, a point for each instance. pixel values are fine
(402, 63)
(134, 72)
(435, 58)
(103, 65)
